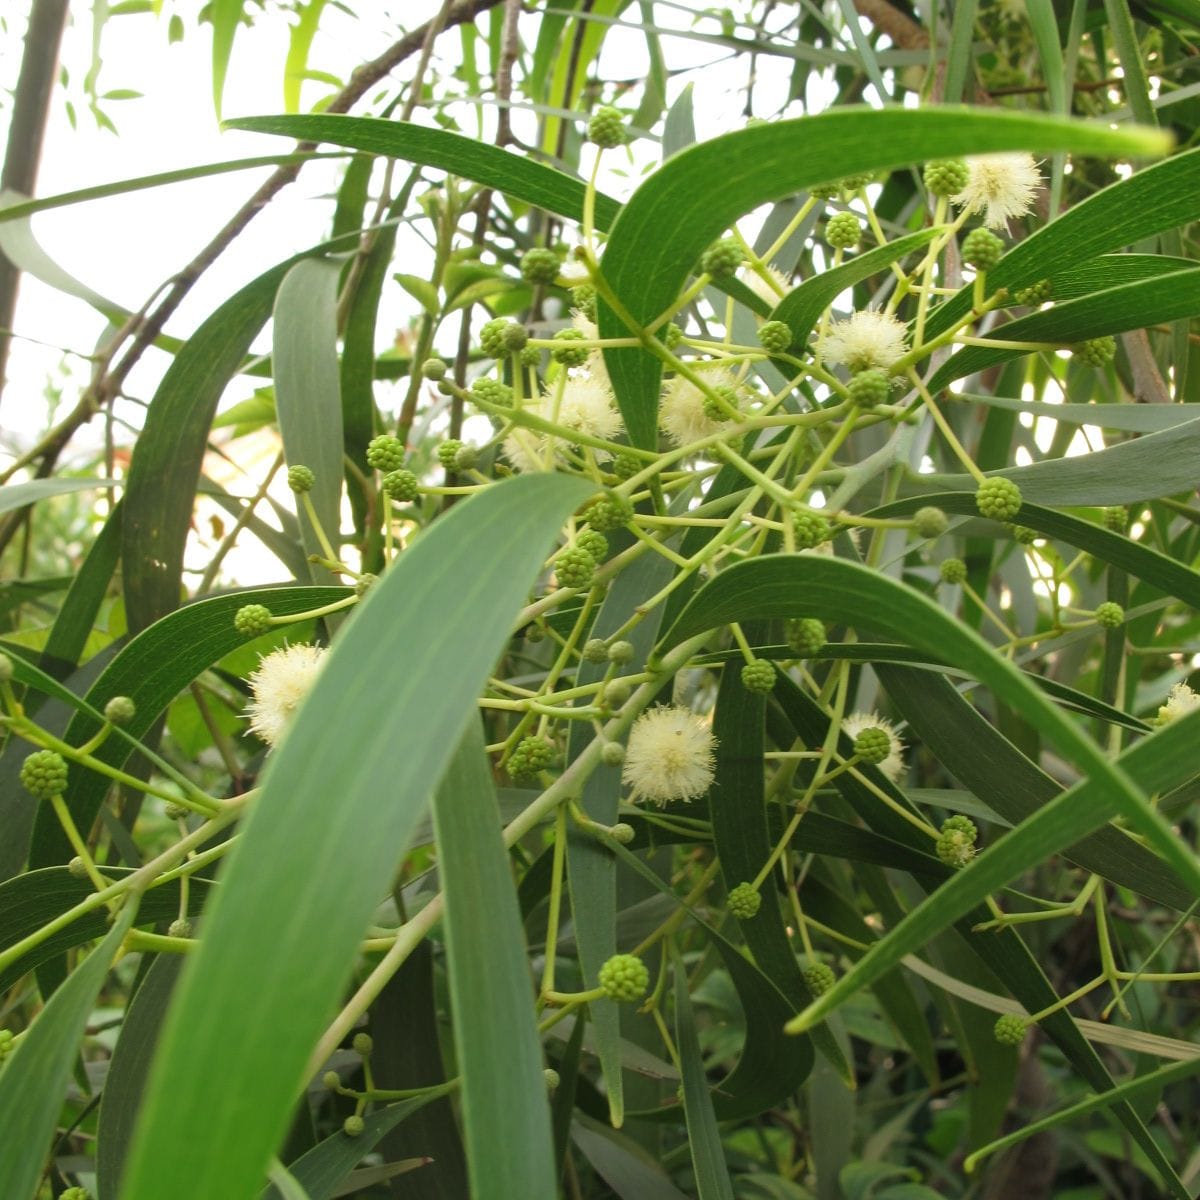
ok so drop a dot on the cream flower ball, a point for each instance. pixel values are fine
(284, 677)
(681, 414)
(893, 765)
(669, 756)
(868, 339)
(1000, 186)
(1181, 700)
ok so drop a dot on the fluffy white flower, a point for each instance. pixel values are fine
(771, 292)
(284, 677)
(586, 406)
(681, 415)
(868, 339)
(1000, 186)
(526, 450)
(669, 756)
(1181, 700)
(893, 765)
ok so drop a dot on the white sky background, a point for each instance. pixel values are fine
(127, 245)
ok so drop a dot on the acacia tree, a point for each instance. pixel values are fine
(725, 731)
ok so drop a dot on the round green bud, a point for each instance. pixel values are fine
(583, 296)
(982, 249)
(77, 868)
(252, 620)
(672, 335)
(402, 486)
(176, 812)
(607, 128)
(953, 570)
(607, 513)
(818, 978)
(1096, 352)
(567, 354)
(300, 479)
(492, 391)
(612, 754)
(930, 522)
(362, 1045)
(947, 177)
(955, 845)
(1023, 535)
(998, 498)
(805, 635)
(466, 458)
(852, 183)
(540, 266)
(353, 1126)
(869, 388)
(595, 543)
(446, 386)
(181, 927)
(626, 466)
(447, 453)
(6, 668)
(44, 774)
(531, 356)
(722, 258)
(531, 756)
(1009, 1029)
(616, 692)
(811, 529)
(872, 745)
(385, 453)
(535, 633)
(574, 568)
(434, 369)
(494, 336)
(75, 1193)
(624, 978)
(364, 583)
(622, 831)
(775, 337)
(120, 710)
(962, 822)
(332, 1080)
(1035, 294)
(842, 230)
(552, 1078)
(1109, 615)
(595, 651)
(744, 901)
(621, 652)
(1116, 518)
(758, 675)
(826, 191)
(720, 405)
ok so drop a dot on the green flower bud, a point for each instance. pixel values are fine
(946, 177)
(176, 812)
(622, 831)
(607, 513)
(722, 258)
(181, 927)
(953, 570)
(872, 745)
(531, 756)
(1116, 518)
(332, 1080)
(552, 1078)
(1009, 1029)
(402, 486)
(385, 453)
(492, 391)
(775, 336)
(624, 978)
(353, 1126)
(998, 498)
(120, 710)
(1109, 615)
(499, 337)
(982, 249)
(758, 675)
(612, 754)
(362, 1045)
(75, 1193)
(869, 388)
(930, 522)
(252, 620)
(434, 369)
(584, 298)
(616, 692)
(805, 635)
(540, 266)
(595, 651)
(811, 529)
(672, 335)
(1096, 352)
(568, 355)
(818, 978)
(364, 583)
(300, 479)
(956, 843)
(44, 774)
(466, 458)
(574, 568)
(621, 652)
(744, 901)
(447, 452)
(596, 544)
(1035, 294)
(607, 128)
(531, 356)
(626, 466)
(842, 230)
(1023, 535)
(77, 868)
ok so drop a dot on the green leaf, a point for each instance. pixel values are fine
(1129, 418)
(646, 264)
(308, 393)
(34, 1081)
(621, 1162)
(225, 15)
(426, 637)
(1114, 310)
(704, 1139)
(506, 1115)
(299, 44)
(18, 495)
(511, 174)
